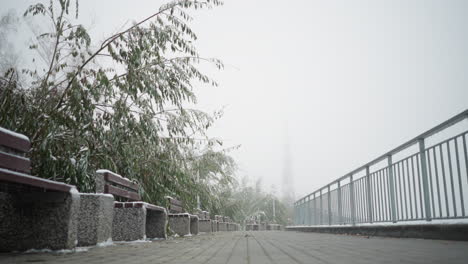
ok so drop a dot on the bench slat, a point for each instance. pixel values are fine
(14, 140)
(175, 202)
(175, 209)
(16, 177)
(14, 162)
(114, 178)
(121, 192)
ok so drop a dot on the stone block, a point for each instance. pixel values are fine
(39, 220)
(156, 222)
(180, 224)
(129, 224)
(222, 226)
(205, 226)
(100, 182)
(95, 218)
(194, 224)
(138, 220)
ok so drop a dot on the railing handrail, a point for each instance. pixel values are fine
(448, 123)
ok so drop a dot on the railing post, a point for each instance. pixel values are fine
(391, 188)
(299, 217)
(304, 214)
(422, 156)
(298, 212)
(299, 206)
(351, 193)
(329, 207)
(295, 214)
(315, 210)
(340, 214)
(303, 211)
(308, 210)
(321, 208)
(370, 205)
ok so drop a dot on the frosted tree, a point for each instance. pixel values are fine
(119, 104)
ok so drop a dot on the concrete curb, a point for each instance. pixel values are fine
(458, 232)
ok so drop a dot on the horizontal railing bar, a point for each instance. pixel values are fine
(411, 220)
(407, 158)
(447, 140)
(448, 123)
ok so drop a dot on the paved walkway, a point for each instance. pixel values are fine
(263, 247)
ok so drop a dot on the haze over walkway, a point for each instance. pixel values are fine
(263, 247)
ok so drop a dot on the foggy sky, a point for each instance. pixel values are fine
(340, 82)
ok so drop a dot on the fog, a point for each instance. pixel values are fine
(328, 85)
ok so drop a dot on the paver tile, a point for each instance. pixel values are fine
(262, 247)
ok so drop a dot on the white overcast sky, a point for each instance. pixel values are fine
(341, 82)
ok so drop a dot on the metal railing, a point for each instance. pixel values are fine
(430, 183)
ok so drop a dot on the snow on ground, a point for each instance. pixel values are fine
(60, 251)
(107, 243)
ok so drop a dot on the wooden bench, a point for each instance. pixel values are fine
(34, 212)
(227, 220)
(251, 224)
(181, 222)
(273, 227)
(222, 225)
(133, 219)
(230, 225)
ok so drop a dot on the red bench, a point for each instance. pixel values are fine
(34, 212)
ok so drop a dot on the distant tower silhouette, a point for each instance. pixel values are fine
(288, 178)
